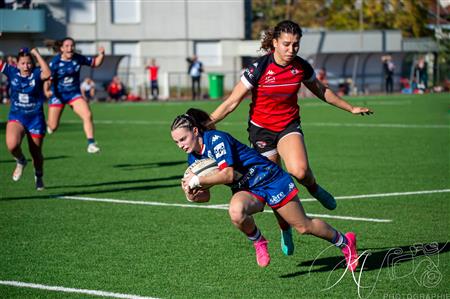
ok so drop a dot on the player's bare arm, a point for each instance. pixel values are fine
(45, 70)
(230, 104)
(224, 176)
(100, 57)
(324, 93)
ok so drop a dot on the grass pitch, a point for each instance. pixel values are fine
(116, 225)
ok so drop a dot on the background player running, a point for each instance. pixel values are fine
(274, 123)
(26, 114)
(65, 88)
(261, 182)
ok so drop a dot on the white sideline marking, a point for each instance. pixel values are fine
(70, 290)
(225, 206)
(197, 206)
(316, 124)
(384, 194)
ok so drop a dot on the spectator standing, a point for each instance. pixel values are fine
(153, 77)
(195, 70)
(421, 75)
(388, 69)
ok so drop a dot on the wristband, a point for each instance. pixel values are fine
(194, 182)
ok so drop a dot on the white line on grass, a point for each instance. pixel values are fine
(385, 194)
(71, 290)
(314, 124)
(197, 206)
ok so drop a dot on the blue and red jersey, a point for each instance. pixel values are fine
(274, 90)
(256, 174)
(26, 93)
(66, 73)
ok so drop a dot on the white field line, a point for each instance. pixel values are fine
(379, 195)
(198, 206)
(70, 290)
(313, 124)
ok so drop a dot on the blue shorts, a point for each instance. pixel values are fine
(34, 124)
(276, 191)
(64, 98)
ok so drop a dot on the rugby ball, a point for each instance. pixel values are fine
(203, 167)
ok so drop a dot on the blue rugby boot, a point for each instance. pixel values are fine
(326, 199)
(287, 245)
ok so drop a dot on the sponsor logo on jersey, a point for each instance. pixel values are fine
(249, 73)
(215, 137)
(261, 144)
(277, 198)
(219, 150)
(291, 186)
(68, 80)
(294, 71)
(270, 72)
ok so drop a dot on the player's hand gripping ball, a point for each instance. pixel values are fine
(199, 168)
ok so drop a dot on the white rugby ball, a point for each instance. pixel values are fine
(203, 167)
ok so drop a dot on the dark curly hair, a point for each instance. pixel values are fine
(271, 34)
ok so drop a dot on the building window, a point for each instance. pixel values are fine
(126, 11)
(131, 52)
(81, 11)
(210, 53)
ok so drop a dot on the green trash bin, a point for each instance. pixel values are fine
(215, 85)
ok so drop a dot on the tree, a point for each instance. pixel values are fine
(409, 16)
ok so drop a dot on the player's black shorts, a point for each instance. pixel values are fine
(265, 141)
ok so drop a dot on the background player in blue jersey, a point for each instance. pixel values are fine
(26, 115)
(65, 88)
(274, 128)
(260, 182)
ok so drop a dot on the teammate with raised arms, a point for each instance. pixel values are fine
(26, 114)
(65, 88)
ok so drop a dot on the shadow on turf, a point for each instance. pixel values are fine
(12, 161)
(109, 190)
(174, 177)
(148, 165)
(378, 258)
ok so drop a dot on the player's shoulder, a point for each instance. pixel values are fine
(55, 59)
(262, 61)
(215, 135)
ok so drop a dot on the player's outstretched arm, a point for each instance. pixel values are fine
(230, 104)
(45, 69)
(327, 95)
(99, 58)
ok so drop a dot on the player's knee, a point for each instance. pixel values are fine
(302, 228)
(51, 127)
(12, 145)
(299, 173)
(237, 215)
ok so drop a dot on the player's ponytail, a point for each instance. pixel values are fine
(271, 34)
(193, 118)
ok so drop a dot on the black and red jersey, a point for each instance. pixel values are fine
(274, 90)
